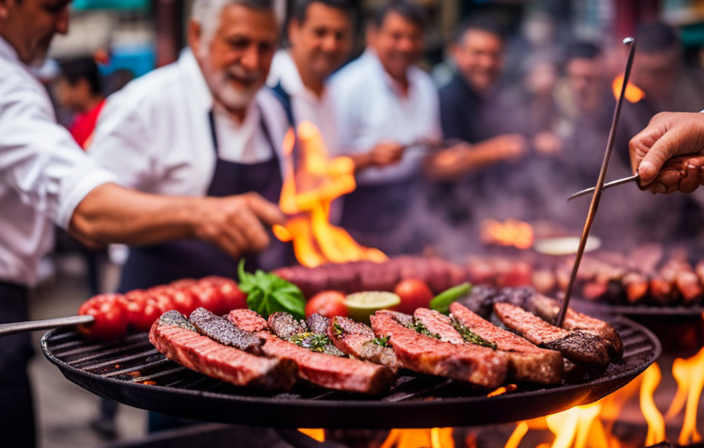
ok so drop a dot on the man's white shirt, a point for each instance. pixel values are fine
(371, 109)
(44, 174)
(306, 105)
(155, 134)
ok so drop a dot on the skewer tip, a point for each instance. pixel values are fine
(628, 41)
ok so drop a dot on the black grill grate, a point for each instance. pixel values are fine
(132, 372)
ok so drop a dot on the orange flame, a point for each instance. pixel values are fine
(306, 197)
(502, 390)
(316, 434)
(689, 374)
(420, 438)
(656, 423)
(633, 94)
(508, 233)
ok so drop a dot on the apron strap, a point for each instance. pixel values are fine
(262, 123)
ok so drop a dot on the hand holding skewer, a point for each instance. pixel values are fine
(668, 155)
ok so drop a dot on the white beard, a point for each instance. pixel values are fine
(229, 96)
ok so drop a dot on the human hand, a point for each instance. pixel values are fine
(505, 147)
(236, 224)
(669, 135)
(547, 143)
(386, 154)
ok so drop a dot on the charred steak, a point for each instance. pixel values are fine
(318, 368)
(580, 348)
(177, 339)
(358, 340)
(221, 330)
(425, 354)
(527, 362)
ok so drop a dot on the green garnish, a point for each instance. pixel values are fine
(420, 328)
(442, 301)
(268, 293)
(470, 336)
(312, 341)
(382, 341)
(339, 331)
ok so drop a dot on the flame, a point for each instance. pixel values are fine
(508, 233)
(420, 438)
(306, 197)
(633, 93)
(316, 434)
(689, 374)
(656, 423)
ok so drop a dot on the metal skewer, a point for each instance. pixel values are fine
(599, 188)
(47, 324)
(613, 183)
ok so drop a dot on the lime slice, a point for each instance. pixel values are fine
(361, 305)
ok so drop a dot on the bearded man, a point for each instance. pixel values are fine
(201, 126)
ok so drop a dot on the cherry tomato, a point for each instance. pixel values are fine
(183, 299)
(110, 317)
(209, 297)
(232, 297)
(414, 294)
(327, 303)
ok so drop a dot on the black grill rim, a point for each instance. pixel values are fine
(357, 414)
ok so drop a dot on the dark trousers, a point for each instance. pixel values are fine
(16, 407)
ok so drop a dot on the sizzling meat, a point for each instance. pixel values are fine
(358, 340)
(311, 334)
(175, 337)
(548, 308)
(318, 368)
(221, 330)
(478, 365)
(580, 348)
(439, 324)
(527, 362)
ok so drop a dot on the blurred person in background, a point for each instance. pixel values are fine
(202, 126)
(388, 112)
(79, 88)
(45, 177)
(320, 37)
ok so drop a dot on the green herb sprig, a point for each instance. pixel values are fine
(470, 336)
(339, 331)
(269, 293)
(312, 341)
(422, 329)
(382, 341)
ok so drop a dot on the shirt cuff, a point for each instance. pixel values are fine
(78, 191)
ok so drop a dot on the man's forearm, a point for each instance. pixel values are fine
(113, 214)
(361, 161)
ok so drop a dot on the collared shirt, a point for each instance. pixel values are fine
(306, 105)
(156, 135)
(372, 109)
(44, 174)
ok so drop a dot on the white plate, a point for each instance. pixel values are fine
(565, 246)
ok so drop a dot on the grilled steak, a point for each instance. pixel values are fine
(221, 330)
(358, 340)
(318, 368)
(526, 361)
(288, 328)
(438, 324)
(580, 348)
(478, 365)
(175, 337)
(548, 308)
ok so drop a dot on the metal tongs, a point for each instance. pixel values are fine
(675, 166)
(599, 188)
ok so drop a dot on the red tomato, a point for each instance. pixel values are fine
(110, 317)
(150, 314)
(183, 299)
(327, 303)
(209, 297)
(232, 297)
(414, 294)
(184, 283)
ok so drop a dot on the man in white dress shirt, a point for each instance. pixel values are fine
(384, 101)
(320, 37)
(45, 178)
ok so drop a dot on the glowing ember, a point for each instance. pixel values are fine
(510, 233)
(306, 197)
(689, 374)
(502, 390)
(420, 438)
(656, 423)
(633, 93)
(316, 434)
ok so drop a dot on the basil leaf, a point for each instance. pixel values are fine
(268, 293)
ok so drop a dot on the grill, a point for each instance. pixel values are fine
(132, 372)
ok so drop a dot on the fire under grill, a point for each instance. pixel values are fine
(131, 371)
